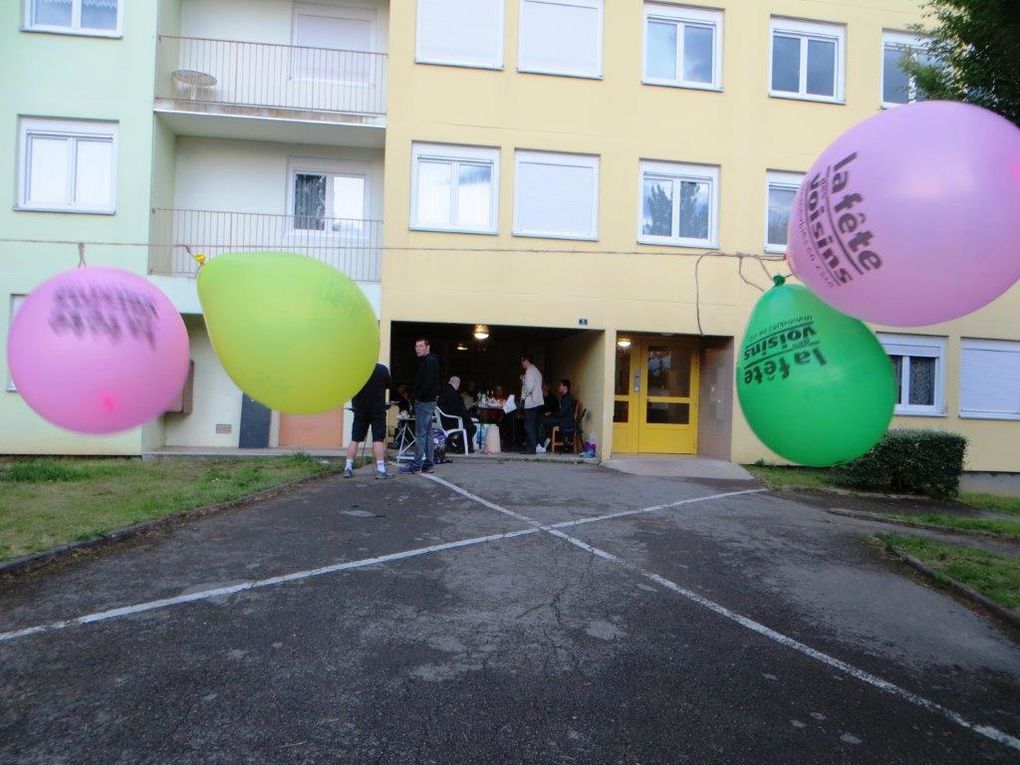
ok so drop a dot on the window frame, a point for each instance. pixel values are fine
(807, 30)
(454, 153)
(368, 15)
(966, 344)
(75, 27)
(15, 301)
(72, 130)
(907, 40)
(328, 168)
(923, 346)
(591, 161)
(498, 59)
(682, 15)
(597, 5)
(680, 171)
(779, 179)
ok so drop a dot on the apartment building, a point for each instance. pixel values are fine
(602, 183)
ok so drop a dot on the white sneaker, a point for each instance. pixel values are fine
(539, 449)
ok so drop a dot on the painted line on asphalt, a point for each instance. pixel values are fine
(534, 527)
(862, 675)
(192, 597)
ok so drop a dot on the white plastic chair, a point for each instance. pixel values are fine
(458, 427)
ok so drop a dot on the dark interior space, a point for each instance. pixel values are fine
(487, 363)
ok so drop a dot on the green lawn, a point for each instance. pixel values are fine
(996, 526)
(995, 576)
(992, 502)
(45, 502)
(778, 477)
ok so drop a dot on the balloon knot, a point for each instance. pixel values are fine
(200, 259)
(779, 280)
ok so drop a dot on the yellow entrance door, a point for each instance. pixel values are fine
(661, 401)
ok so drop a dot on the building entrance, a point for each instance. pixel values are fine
(655, 406)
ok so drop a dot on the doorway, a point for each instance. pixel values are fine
(655, 402)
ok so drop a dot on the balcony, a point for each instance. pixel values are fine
(264, 90)
(349, 245)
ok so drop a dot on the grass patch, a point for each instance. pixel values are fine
(992, 502)
(988, 525)
(776, 477)
(995, 576)
(45, 502)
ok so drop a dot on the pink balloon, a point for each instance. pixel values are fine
(98, 350)
(912, 216)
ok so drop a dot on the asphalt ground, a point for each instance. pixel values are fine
(502, 613)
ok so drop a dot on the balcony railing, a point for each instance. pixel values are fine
(350, 245)
(270, 76)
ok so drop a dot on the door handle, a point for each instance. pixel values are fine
(637, 382)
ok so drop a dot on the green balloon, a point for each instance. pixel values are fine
(292, 332)
(815, 385)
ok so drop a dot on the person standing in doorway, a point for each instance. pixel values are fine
(369, 406)
(531, 400)
(424, 393)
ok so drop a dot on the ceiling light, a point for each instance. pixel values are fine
(623, 342)
(461, 347)
(481, 331)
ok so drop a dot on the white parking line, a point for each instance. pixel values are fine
(152, 605)
(866, 677)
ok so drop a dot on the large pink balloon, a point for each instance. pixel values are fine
(98, 350)
(912, 216)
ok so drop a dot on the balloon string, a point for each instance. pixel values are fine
(81, 255)
(200, 258)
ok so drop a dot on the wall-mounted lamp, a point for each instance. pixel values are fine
(623, 342)
(481, 331)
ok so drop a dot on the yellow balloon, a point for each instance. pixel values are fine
(292, 332)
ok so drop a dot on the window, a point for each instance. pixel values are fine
(561, 37)
(460, 33)
(781, 188)
(86, 17)
(16, 301)
(327, 39)
(919, 362)
(679, 204)
(990, 379)
(328, 199)
(807, 60)
(898, 87)
(455, 188)
(67, 166)
(556, 195)
(683, 46)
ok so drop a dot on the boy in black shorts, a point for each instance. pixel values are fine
(369, 406)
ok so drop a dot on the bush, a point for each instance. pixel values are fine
(908, 461)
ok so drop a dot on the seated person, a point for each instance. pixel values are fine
(470, 396)
(452, 404)
(401, 399)
(550, 405)
(564, 417)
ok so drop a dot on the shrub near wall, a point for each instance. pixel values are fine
(908, 461)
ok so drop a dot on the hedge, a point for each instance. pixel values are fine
(910, 462)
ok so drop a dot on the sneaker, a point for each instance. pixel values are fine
(410, 468)
(539, 449)
(428, 468)
(379, 474)
(349, 472)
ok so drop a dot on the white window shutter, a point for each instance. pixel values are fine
(990, 380)
(465, 32)
(561, 37)
(557, 199)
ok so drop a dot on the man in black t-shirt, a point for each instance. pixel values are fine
(369, 406)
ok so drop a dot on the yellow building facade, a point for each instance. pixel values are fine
(623, 126)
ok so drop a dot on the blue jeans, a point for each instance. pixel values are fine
(424, 446)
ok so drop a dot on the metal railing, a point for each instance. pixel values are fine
(271, 76)
(348, 244)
